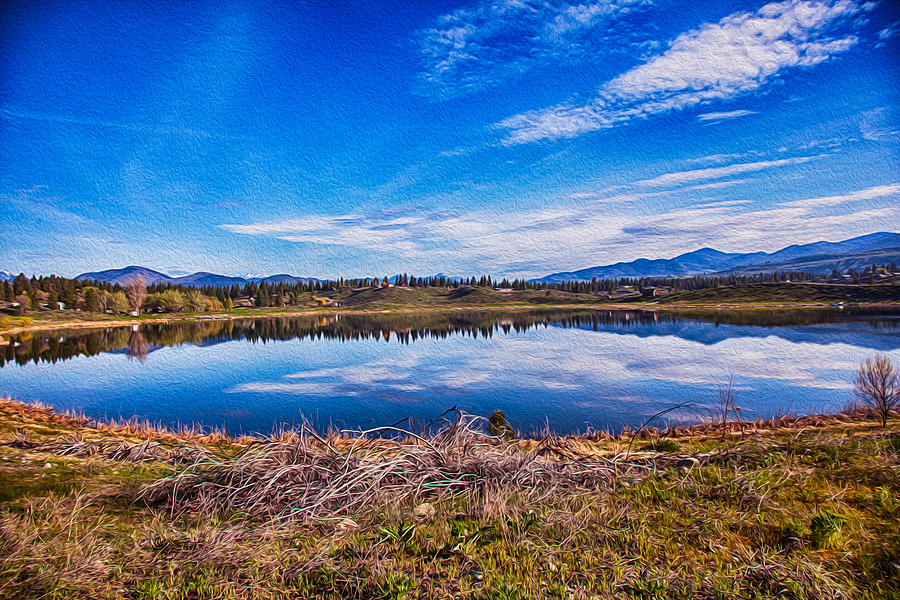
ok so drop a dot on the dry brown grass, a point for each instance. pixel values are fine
(311, 477)
(40, 413)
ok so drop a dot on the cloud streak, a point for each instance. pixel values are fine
(11, 113)
(740, 54)
(693, 175)
(715, 117)
(872, 193)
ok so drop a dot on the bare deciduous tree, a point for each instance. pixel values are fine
(103, 300)
(878, 386)
(136, 290)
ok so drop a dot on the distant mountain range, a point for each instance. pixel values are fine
(819, 257)
(199, 279)
(824, 263)
(203, 278)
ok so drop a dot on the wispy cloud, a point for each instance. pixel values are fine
(718, 61)
(604, 196)
(682, 177)
(474, 48)
(714, 117)
(871, 193)
(12, 113)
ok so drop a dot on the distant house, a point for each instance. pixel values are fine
(656, 291)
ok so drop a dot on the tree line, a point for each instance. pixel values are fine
(136, 296)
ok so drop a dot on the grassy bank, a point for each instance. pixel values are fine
(77, 320)
(785, 293)
(398, 300)
(798, 508)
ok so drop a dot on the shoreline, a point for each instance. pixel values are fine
(222, 316)
(45, 414)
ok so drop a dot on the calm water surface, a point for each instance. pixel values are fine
(569, 370)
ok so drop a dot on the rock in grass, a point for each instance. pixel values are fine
(424, 512)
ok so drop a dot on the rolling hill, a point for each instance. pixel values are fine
(824, 263)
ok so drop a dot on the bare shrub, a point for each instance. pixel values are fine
(136, 290)
(878, 386)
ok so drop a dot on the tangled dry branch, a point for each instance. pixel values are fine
(308, 477)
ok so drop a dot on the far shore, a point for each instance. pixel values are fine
(84, 322)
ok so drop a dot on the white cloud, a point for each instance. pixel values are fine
(682, 177)
(719, 61)
(470, 49)
(715, 117)
(537, 242)
(871, 193)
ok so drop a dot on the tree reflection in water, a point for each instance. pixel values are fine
(138, 347)
(138, 342)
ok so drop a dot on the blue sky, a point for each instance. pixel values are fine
(515, 137)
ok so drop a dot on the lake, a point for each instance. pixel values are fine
(567, 370)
